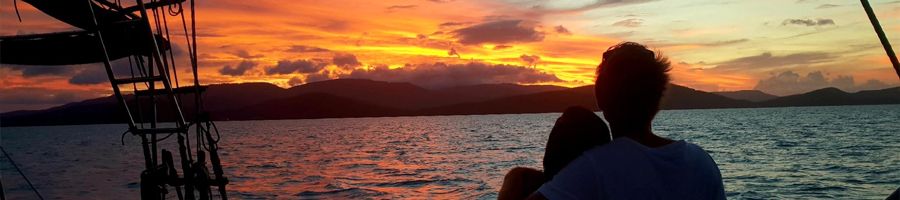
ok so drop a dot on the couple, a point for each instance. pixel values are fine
(581, 161)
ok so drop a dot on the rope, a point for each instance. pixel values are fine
(36, 192)
(169, 42)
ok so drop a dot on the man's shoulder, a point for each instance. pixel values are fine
(625, 149)
(618, 149)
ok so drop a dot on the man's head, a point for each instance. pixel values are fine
(630, 84)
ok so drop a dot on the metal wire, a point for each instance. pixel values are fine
(16, 6)
(36, 192)
(881, 36)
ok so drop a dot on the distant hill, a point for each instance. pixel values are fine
(93, 111)
(407, 96)
(748, 95)
(367, 98)
(484, 92)
(307, 106)
(680, 97)
(836, 97)
(552, 101)
(677, 97)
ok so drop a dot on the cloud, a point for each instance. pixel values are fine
(90, 76)
(309, 78)
(824, 6)
(295, 81)
(558, 7)
(306, 49)
(452, 24)
(562, 30)
(789, 82)
(706, 44)
(808, 22)
(499, 32)
(500, 47)
(397, 7)
(767, 61)
(246, 55)
(238, 70)
(96, 73)
(40, 70)
(301, 66)
(345, 60)
(631, 23)
(441, 75)
(453, 52)
(726, 42)
(316, 77)
(531, 60)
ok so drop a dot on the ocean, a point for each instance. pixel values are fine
(845, 152)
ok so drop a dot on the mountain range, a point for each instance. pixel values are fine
(367, 98)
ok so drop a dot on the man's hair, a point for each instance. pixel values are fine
(632, 78)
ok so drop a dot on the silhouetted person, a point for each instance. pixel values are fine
(636, 164)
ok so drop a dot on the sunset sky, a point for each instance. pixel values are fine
(778, 46)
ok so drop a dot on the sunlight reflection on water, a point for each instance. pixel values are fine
(818, 152)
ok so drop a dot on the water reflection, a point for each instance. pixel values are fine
(816, 152)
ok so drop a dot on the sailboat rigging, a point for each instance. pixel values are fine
(111, 31)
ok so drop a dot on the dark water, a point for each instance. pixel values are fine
(778, 153)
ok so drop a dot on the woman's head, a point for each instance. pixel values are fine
(630, 83)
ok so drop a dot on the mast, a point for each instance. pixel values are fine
(881, 36)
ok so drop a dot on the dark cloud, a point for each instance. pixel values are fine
(295, 81)
(823, 6)
(345, 60)
(301, 66)
(397, 7)
(453, 52)
(246, 55)
(499, 32)
(531, 60)
(595, 5)
(88, 76)
(562, 30)
(238, 70)
(808, 22)
(766, 61)
(41, 70)
(500, 47)
(440, 75)
(789, 82)
(316, 77)
(726, 42)
(631, 23)
(96, 73)
(452, 24)
(707, 44)
(309, 78)
(306, 49)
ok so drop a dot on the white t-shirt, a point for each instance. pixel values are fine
(626, 169)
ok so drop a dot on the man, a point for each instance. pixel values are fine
(636, 164)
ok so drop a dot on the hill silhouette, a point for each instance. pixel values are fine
(836, 97)
(367, 98)
(748, 95)
(308, 106)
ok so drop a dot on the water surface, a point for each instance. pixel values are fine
(769, 153)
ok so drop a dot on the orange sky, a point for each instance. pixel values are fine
(714, 47)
